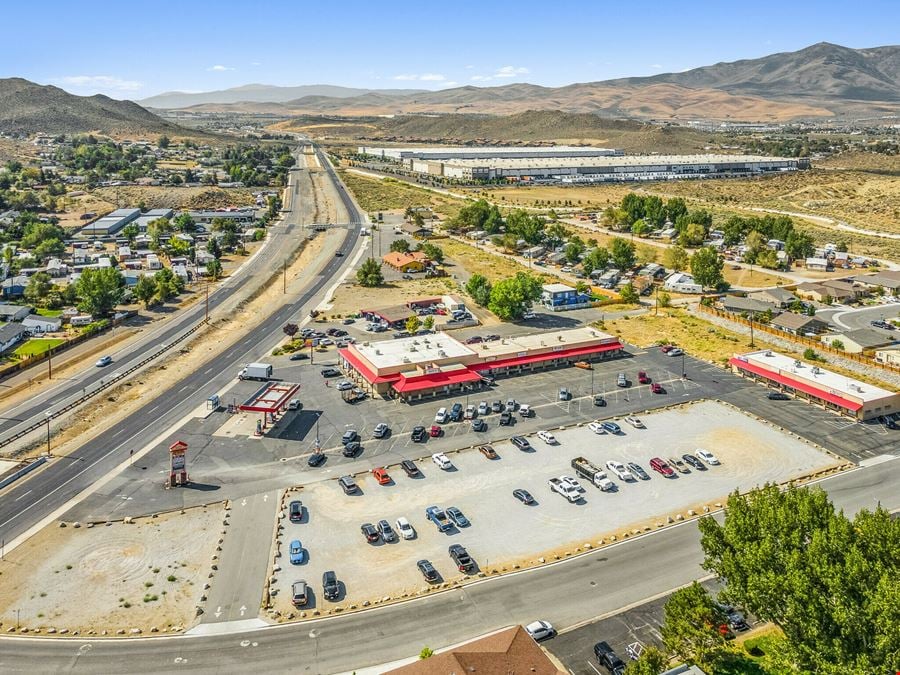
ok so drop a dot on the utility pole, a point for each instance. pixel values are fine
(751, 329)
(656, 309)
(49, 365)
(47, 414)
(207, 300)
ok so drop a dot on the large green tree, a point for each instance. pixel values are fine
(369, 273)
(622, 253)
(652, 661)
(830, 583)
(168, 284)
(145, 290)
(676, 258)
(99, 290)
(436, 253)
(38, 289)
(400, 246)
(691, 624)
(511, 298)
(596, 259)
(706, 267)
(479, 288)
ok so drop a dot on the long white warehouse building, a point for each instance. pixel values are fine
(486, 152)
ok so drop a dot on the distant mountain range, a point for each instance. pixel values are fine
(823, 80)
(28, 108)
(262, 93)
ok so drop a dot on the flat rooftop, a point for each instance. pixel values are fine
(822, 378)
(604, 161)
(491, 150)
(411, 350)
(519, 345)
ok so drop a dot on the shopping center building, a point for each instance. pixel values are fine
(437, 365)
(831, 390)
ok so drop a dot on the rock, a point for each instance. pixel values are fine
(62, 524)
(668, 519)
(302, 615)
(635, 532)
(588, 547)
(11, 629)
(121, 631)
(705, 509)
(316, 612)
(89, 525)
(135, 631)
(366, 603)
(51, 631)
(215, 567)
(103, 632)
(658, 524)
(386, 598)
(515, 567)
(37, 630)
(128, 520)
(646, 528)
(679, 517)
(74, 632)
(612, 538)
(718, 505)
(541, 560)
(691, 512)
(154, 629)
(276, 568)
(206, 587)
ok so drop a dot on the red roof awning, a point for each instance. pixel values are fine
(363, 369)
(546, 356)
(432, 380)
(270, 398)
(796, 384)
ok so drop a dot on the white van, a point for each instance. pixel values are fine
(441, 417)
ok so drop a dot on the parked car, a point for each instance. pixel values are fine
(385, 530)
(660, 465)
(457, 516)
(675, 351)
(520, 442)
(441, 416)
(428, 571)
(620, 470)
(470, 413)
(526, 410)
(352, 449)
(442, 461)
(331, 588)
(693, 462)
(330, 372)
(564, 394)
(348, 485)
(599, 401)
(456, 412)
(621, 380)
(299, 594)
(523, 496)
(369, 532)
(483, 408)
(505, 419)
(540, 630)
(488, 451)
(657, 388)
(298, 356)
(608, 658)
(418, 434)
(474, 340)
(461, 557)
(547, 437)
(316, 459)
(638, 471)
(296, 552)
(410, 468)
(597, 427)
(381, 475)
(295, 511)
(572, 483)
(611, 427)
(435, 431)
(511, 405)
(678, 465)
(405, 528)
(643, 378)
(349, 436)
(479, 425)
(381, 430)
(635, 422)
(777, 396)
(665, 349)
(491, 338)
(707, 456)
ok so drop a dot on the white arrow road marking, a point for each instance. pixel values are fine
(243, 609)
(244, 502)
(265, 498)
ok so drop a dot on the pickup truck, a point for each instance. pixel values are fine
(437, 516)
(593, 473)
(565, 489)
(462, 559)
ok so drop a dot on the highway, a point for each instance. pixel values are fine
(66, 477)
(567, 594)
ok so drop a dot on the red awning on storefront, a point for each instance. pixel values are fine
(434, 380)
(363, 369)
(796, 384)
(547, 356)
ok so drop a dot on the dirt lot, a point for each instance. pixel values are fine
(758, 278)
(108, 579)
(376, 194)
(350, 297)
(505, 533)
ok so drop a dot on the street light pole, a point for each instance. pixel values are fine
(683, 373)
(48, 432)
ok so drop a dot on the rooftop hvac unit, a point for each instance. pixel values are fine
(797, 364)
(412, 348)
(816, 370)
(769, 353)
(442, 353)
(378, 352)
(406, 359)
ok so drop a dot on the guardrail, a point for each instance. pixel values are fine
(104, 385)
(11, 478)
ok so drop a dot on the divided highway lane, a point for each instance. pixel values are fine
(566, 594)
(27, 503)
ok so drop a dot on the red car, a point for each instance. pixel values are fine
(657, 388)
(665, 349)
(435, 431)
(643, 378)
(660, 465)
(381, 475)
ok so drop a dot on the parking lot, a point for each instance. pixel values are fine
(505, 532)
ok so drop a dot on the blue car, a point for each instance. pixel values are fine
(457, 517)
(612, 427)
(298, 555)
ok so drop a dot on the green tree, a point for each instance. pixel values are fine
(168, 284)
(691, 625)
(184, 222)
(652, 661)
(38, 289)
(693, 234)
(428, 323)
(629, 294)
(665, 300)
(755, 243)
(163, 142)
(828, 582)
(573, 250)
(706, 267)
(213, 248)
(596, 259)
(640, 227)
(511, 298)
(179, 246)
(767, 258)
(555, 234)
(837, 344)
(145, 290)
(400, 246)
(799, 245)
(369, 273)
(130, 232)
(436, 253)
(99, 290)
(214, 269)
(675, 208)
(49, 248)
(479, 289)
(622, 253)
(645, 254)
(412, 324)
(37, 232)
(426, 653)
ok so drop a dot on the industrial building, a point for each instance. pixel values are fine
(438, 365)
(110, 223)
(835, 392)
(486, 152)
(605, 168)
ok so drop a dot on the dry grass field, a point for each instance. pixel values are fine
(376, 194)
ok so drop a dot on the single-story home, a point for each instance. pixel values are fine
(738, 304)
(14, 312)
(42, 324)
(417, 231)
(889, 280)
(889, 355)
(415, 261)
(779, 297)
(860, 340)
(12, 334)
(819, 264)
(681, 282)
(844, 289)
(14, 287)
(818, 292)
(799, 324)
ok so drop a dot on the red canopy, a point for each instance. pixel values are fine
(546, 356)
(432, 380)
(796, 384)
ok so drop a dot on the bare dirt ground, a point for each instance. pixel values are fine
(350, 297)
(111, 579)
(159, 197)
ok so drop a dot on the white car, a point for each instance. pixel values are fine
(675, 352)
(483, 408)
(572, 482)
(344, 385)
(405, 529)
(620, 470)
(707, 457)
(547, 437)
(635, 422)
(470, 412)
(540, 630)
(596, 427)
(103, 361)
(441, 460)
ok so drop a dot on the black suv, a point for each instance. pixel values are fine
(461, 557)
(456, 412)
(410, 468)
(418, 434)
(330, 586)
(608, 658)
(428, 571)
(352, 449)
(505, 419)
(777, 396)
(296, 511)
(369, 532)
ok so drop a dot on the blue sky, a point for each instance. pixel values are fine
(133, 49)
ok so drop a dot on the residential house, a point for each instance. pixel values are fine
(818, 264)
(42, 324)
(14, 287)
(534, 252)
(202, 256)
(799, 324)
(739, 305)
(681, 282)
(56, 268)
(416, 231)
(653, 271)
(124, 253)
(14, 312)
(560, 297)
(153, 262)
(557, 258)
(415, 261)
(888, 280)
(820, 293)
(775, 296)
(889, 355)
(841, 288)
(841, 259)
(12, 334)
(860, 340)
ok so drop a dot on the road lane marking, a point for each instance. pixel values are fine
(23, 495)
